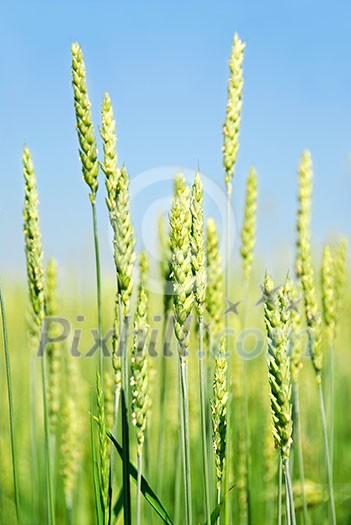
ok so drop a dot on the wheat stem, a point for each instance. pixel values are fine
(327, 456)
(98, 287)
(290, 509)
(203, 421)
(123, 323)
(163, 399)
(11, 409)
(299, 449)
(227, 294)
(280, 483)
(185, 439)
(138, 495)
(50, 494)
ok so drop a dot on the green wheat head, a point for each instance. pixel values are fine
(165, 265)
(248, 232)
(304, 209)
(215, 298)
(276, 314)
(312, 312)
(33, 248)
(340, 272)
(103, 451)
(85, 128)
(182, 275)
(198, 257)
(139, 365)
(219, 411)
(328, 294)
(53, 350)
(233, 111)
(296, 337)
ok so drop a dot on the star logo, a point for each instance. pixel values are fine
(267, 297)
(231, 307)
(294, 305)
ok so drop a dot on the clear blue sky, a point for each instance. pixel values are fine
(165, 65)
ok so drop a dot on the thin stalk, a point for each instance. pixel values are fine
(11, 409)
(161, 437)
(280, 483)
(185, 439)
(177, 483)
(209, 415)
(35, 469)
(125, 426)
(218, 502)
(69, 515)
(290, 496)
(116, 399)
(246, 411)
(50, 495)
(227, 293)
(327, 455)
(299, 450)
(203, 420)
(331, 393)
(98, 289)
(97, 498)
(287, 503)
(138, 495)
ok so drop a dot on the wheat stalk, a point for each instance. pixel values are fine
(198, 261)
(296, 352)
(183, 284)
(304, 270)
(89, 162)
(248, 239)
(35, 279)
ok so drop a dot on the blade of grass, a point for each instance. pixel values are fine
(118, 506)
(146, 490)
(215, 514)
(11, 409)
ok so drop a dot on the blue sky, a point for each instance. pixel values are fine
(165, 65)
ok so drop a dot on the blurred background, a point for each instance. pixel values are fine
(165, 66)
